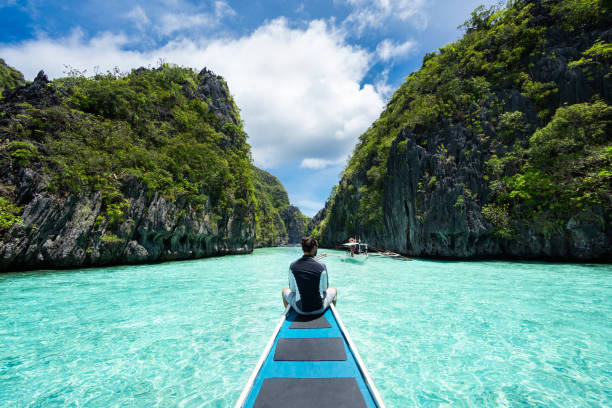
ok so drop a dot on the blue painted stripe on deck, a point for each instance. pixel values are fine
(310, 369)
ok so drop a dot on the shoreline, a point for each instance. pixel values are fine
(550, 261)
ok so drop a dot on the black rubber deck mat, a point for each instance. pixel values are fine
(310, 322)
(309, 393)
(310, 349)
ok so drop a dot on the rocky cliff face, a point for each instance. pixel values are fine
(471, 156)
(278, 222)
(64, 232)
(295, 223)
(122, 212)
(315, 222)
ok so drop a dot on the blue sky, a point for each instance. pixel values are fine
(309, 77)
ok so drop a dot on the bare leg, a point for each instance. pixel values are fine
(336, 298)
(283, 296)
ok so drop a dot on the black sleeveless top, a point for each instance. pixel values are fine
(307, 273)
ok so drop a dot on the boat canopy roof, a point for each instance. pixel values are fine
(348, 244)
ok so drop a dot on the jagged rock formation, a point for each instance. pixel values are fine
(295, 222)
(149, 167)
(64, 232)
(213, 89)
(278, 222)
(315, 221)
(499, 146)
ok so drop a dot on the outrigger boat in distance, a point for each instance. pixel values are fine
(386, 254)
(356, 252)
(310, 361)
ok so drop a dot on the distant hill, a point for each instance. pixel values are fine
(278, 222)
(500, 145)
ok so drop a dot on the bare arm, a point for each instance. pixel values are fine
(292, 282)
(323, 283)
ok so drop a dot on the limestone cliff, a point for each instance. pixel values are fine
(278, 222)
(144, 167)
(499, 146)
(296, 223)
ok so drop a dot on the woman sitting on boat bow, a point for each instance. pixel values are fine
(308, 292)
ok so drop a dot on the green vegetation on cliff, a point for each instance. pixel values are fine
(9, 214)
(454, 84)
(274, 216)
(9, 78)
(566, 168)
(271, 197)
(153, 125)
(150, 165)
(521, 101)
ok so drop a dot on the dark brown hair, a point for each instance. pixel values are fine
(308, 243)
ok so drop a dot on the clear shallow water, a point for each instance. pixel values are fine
(188, 334)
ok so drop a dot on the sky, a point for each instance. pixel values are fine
(308, 76)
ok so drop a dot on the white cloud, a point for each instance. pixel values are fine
(318, 163)
(298, 89)
(375, 14)
(170, 23)
(381, 84)
(138, 16)
(387, 50)
(222, 9)
(52, 55)
(309, 207)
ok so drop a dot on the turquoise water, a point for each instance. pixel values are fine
(188, 334)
